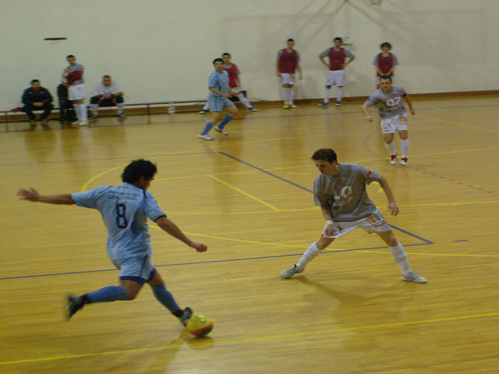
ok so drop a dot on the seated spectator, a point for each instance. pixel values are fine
(66, 109)
(37, 98)
(107, 93)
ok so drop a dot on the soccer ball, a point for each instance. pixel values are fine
(199, 325)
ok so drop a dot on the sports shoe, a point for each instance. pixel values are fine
(205, 137)
(414, 277)
(121, 115)
(393, 159)
(221, 131)
(77, 122)
(289, 272)
(324, 103)
(286, 106)
(72, 304)
(203, 111)
(94, 116)
(404, 161)
(292, 106)
(338, 103)
(252, 109)
(186, 316)
(83, 123)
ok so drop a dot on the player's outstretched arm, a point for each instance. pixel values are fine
(174, 231)
(392, 205)
(409, 104)
(369, 118)
(34, 196)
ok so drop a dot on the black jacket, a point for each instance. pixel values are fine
(42, 96)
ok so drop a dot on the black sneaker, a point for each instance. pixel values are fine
(72, 304)
(186, 316)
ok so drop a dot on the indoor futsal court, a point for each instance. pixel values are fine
(248, 197)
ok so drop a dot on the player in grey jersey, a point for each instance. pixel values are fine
(390, 102)
(340, 191)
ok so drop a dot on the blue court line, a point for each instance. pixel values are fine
(202, 262)
(306, 189)
(457, 241)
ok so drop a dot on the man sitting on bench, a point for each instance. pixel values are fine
(105, 94)
(37, 98)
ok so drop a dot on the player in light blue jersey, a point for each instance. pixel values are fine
(220, 92)
(125, 210)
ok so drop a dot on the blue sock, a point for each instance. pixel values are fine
(208, 127)
(225, 121)
(165, 297)
(106, 294)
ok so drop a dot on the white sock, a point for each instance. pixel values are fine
(326, 95)
(311, 253)
(206, 106)
(291, 93)
(400, 256)
(83, 110)
(285, 94)
(94, 108)
(404, 145)
(391, 147)
(244, 100)
(340, 93)
(120, 106)
(77, 111)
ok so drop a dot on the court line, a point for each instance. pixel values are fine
(244, 193)
(258, 338)
(459, 124)
(211, 261)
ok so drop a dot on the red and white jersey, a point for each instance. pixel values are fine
(385, 62)
(233, 72)
(288, 61)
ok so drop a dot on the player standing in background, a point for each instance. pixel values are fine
(234, 84)
(220, 92)
(337, 75)
(73, 79)
(341, 193)
(385, 63)
(125, 210)
(288, 60)
(389, 100)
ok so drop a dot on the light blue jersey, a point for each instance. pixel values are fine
(125, 210)
(219, 81)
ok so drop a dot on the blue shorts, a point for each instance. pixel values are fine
(217, 104)
(138, 269)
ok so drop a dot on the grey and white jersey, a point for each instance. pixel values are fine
(346, 194)
(390, 104)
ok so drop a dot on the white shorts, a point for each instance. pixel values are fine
(337, 78)
(236, 90)
(390, 125)
(287, 78)
(374, 223)
(378, 80)
(77, 92)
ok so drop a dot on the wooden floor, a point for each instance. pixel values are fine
(247, 196)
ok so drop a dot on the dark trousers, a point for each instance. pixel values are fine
(106, 102)
(66, 110)
(29, 108)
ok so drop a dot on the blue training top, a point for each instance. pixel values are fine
(125, 210)
(219, 81)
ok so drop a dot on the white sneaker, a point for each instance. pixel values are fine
(414, 277)
(76, 122)
(393, 159)
(221, 131)
(205, 137)
(404, 161)
(83, 123)
(289, 272)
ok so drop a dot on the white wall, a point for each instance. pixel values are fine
(161, 50)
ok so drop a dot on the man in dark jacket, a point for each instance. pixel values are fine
(37, 98)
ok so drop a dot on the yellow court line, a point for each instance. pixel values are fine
(244, 193)
(436, 254)
(459, 124)
(260, 338)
